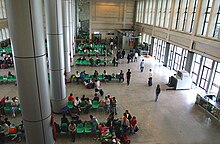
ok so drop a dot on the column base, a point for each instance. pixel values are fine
(57, 105)
(68, 77)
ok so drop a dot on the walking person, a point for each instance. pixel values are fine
(128, 75)
(123, 53)
(135, 56)
(157, 92)
(128, 57)
(142, 65)
(121, 79)
(77, 77)
(150, 78)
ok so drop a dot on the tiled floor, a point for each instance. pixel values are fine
(174, 119)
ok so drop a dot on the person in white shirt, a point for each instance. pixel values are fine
(77, 77)
(77, 101)
(98, 84)
(8, 100)
(142, 65)
(135, 57)
(107, 104)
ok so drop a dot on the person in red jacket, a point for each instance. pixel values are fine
(133, 124)
(71, 98)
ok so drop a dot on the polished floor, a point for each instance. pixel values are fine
(174, 119)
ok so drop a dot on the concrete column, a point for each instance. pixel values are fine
(66, 37)
(54, 26)
(189, 61)
(71, 31)
(25, 21)
(166, 54)
(74, 25)
(77, 18)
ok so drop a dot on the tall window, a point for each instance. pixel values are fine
(149, 12)
(2, 9)
(178, 14)
(185, 15)
(196, 67)
(168, 12)
(155, 47)
(171, 55)
(4, 34)
(146, 12)
(137, 11)
(142, 11)
(216, 82)
(217, 25)
(153, 11)
(206, 17)
(206, 73)
(159, 10)
(178, 57)
(159, 50)
(163, 13)
(193, 16)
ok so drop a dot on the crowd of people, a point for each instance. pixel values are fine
(9, 106)
(6, 60)
(92, 81)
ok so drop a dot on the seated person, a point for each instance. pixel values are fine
(133, 124)
(105, 61)
(115, 62)
(64, 119)
(4, 132)
(71, 98)
(104, 73)
(80, 58)
(91, 60)
(7, 121)
(89, 84)
(9, 74)
(84, 58)
(82, 74)
(83, 98)
(98, 61)
(96, 97)
(77, 102)
(96, 74)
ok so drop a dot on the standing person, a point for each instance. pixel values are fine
(77, 77)
(128, 57)
(113, 104)
(135, 57)
(142, 65)
(150, 78)
(157, 92)
(123, 53)
(128, 75)
(94, 122)
(121, 79)
(72, 130)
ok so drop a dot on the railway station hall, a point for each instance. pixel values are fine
(110, 71)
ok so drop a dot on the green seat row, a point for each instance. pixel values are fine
(6, 79)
